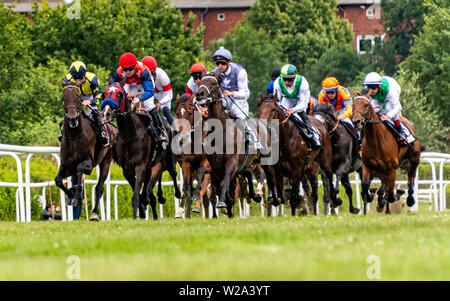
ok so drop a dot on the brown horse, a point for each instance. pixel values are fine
(138, 155)
(193, 165)
(295, 162)
(80, 150)
(227, 157)
(381, 155)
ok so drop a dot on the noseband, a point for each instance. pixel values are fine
(365, 120)
(72, 106)
(209, 98)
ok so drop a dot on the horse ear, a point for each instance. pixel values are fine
(260, 99)
(178, 98)
(356, 93)
(191, 98)
(123, 81)
(275, 97)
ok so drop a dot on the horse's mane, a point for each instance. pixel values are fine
(184, 98)
(219, 79)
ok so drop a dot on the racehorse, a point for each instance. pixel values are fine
(381, 154)
(296, 162)
(344, 144)
(137, 153)
(193, 165)
(80, 149)
(225, 164)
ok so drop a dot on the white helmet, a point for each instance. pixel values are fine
(372, 78)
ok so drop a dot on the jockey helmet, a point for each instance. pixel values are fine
(329, 84)
(78, 69)
(222, 54)
(372, 78)
(127, 60)
(198, 67)
(275, 74)
(288, 71)
(150, 62)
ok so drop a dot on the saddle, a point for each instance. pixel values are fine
(404, 138)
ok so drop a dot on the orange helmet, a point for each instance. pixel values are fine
(127, 60)
(198, 67)
(150, 62)
(330, 83)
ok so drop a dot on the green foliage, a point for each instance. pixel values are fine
(428, 66)
(256, 52)
(304, 29)
(403, 21)
(106, 29)
(342, 62)
(14, 48)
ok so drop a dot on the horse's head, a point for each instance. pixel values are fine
(325, 113)
(115, 100)
(362, 110)
(185, 108)
(209, 89)
(72, 104)
(268, 108)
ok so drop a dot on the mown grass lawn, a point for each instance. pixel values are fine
(409, 247)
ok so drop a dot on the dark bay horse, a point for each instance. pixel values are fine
(194, 165)
(381, 154)
(80, 150)
(295, 161)
(228, 158)
(344, 144)
(137, 153)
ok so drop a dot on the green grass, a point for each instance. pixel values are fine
(410, 247)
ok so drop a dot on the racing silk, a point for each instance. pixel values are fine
(343, 102)
(269, 90)
(387, 100)
(235, 80)
(141, 76)
(191, 87)
(90, 87)
(290, 99)
(163, 88)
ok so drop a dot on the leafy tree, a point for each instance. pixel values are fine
(256, 52)
(304, 29)
(105, 29)
(403, 20)
(430, 61)
(14, 48)
(342, 62)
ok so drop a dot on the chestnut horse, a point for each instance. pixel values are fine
(80, 150)
(344, 144)
(225, 164)
(381, 154)
(296, 162)
(193, 165)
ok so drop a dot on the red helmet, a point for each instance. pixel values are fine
(127, 60)
(198, 67)
(150, 62)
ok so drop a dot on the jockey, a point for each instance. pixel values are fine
(274, 75)
(385, 98)
(139, 79)
(234, 86)
(163, 88)
(91, 93)
(341, 99)
(198, 70)
(293, 93)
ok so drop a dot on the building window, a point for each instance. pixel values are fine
(220, 16)
(366, 43)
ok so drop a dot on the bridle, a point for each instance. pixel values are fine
(72, 106)
(365, 120)
(195, 123)
(209, 98)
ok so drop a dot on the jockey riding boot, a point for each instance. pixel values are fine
(101, 131)
(161, 134)
(400, 134)
(315, 140)
(252, 136)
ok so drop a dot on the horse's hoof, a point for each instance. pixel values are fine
(410, 201)
(94, 217)
(354, 210)
(197, 207)
(333, 211)
(161, 200)
(221, 204)
(380, 209)
(258, 198)
(338, 202)
(179, 213)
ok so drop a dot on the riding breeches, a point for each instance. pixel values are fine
(239, 107)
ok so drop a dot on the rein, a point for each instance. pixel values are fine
(366, 115)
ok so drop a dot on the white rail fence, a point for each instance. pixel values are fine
(431, 190)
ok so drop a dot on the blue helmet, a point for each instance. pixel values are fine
(222, 54)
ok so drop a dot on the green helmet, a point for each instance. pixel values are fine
(288, 71)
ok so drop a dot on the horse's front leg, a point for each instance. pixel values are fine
(156, 171)
(365, 185)
(348, 190)
(62, 174)
(186, 168)
(139, 171)
(84, 167)
(231, 167)
(104, 168)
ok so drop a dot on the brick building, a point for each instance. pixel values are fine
(220, 16)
